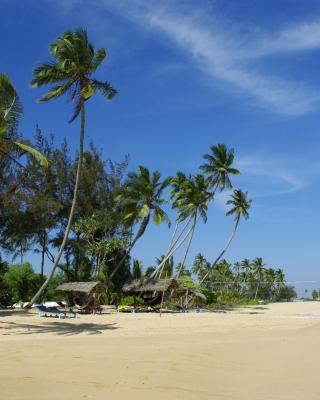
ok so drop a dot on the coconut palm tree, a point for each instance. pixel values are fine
(177, 184)
(280, 279)
(70, 72)
(136, 269)
(141, 199)
(10, 115)
(218, 167)
(191, 202)
(245, 267)
(240, 206)
(258, 272)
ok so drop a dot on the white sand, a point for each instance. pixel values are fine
(268, 352)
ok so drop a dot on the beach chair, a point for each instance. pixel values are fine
(68, 314)
(43, 311)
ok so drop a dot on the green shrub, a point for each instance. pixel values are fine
(22, 281)
(132, 301)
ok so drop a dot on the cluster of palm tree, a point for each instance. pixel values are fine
(245, 280)
(141, 197)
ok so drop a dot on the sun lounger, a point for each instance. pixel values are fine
(68, 314)
(43, 311)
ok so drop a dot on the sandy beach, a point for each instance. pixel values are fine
(266, 352)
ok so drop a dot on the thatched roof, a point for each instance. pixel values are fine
(84, 287)
(149, 285)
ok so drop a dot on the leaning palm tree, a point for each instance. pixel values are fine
(240, 206)
(70, 72)
(192, 201)
(177, 184)
(141, 199)
(218, 167)
(192, 204)
(10, 115)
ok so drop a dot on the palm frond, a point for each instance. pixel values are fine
(43, 161)
(105, 88)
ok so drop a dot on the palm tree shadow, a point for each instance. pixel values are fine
(56, 327)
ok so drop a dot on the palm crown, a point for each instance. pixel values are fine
(74, 61)
(240, 204)
(141, 196)
(193, 197)
(219, 166)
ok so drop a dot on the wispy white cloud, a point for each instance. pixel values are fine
(272, 177)
(303, 37)
(223, 54)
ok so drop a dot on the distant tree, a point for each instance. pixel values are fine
(315, 294)
(137, 269)
(287, 293)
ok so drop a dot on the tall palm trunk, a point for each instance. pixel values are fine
(43, 252)
(140, 232)
(256, 294)
(175, 240)
(74, 200)
(173, 236)
(173, 250)
(188, 247)
(225, 248)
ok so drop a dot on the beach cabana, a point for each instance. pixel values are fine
(90, 289)
(151, 290)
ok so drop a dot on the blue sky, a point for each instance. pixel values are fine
(192, 74)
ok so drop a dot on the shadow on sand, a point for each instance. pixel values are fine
(57, 327)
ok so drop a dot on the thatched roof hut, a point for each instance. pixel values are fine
(82, 287)
(149, 285)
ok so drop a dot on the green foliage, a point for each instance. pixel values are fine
(51, 294)
(5, 289)
(132, 301)
(287, 293)
(186, 281)
(228, 297)
(70, 72)
(22, 280)
(137, 269)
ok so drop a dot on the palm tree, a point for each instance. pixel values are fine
(245, 267)
(258, 271)
(279, 279)
(141, 199)
(177, 184)
(219, 167)
(136, 269)
(10, 115)
(240, 206)
(70, 72)
(191, 202)
(168, 267)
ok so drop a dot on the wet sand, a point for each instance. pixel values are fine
(266, 352)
